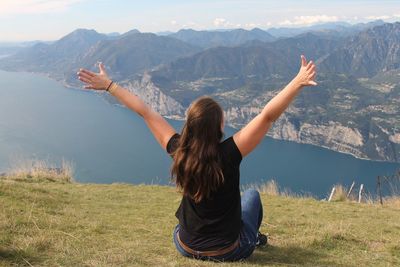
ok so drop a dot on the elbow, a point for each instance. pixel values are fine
(145, 112)
(269, 118)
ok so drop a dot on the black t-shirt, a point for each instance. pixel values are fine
(215, 222)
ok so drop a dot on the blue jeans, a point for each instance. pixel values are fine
(252, 214)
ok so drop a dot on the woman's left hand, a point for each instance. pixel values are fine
(96, 81)
(307, 73)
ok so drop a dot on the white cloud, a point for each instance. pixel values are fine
(222, 23)
(307, 20)
(191, 24)
(173, 22)
(13, 7)
(378, 17)
(219, 22)
(383, 17)
(252, 25)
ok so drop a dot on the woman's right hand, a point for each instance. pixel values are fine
(96, 81)
(307, 73)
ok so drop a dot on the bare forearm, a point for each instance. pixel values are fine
(277, 105)
(131, 101)
(160, 128)
(251, 135)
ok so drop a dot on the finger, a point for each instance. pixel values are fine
(102, 68)
(313, 83)
(84, 75)
(303, 61)
(312, 75)
(311, 69)
(309, 64)
(88, 87)
(84, 80)
(87, 72)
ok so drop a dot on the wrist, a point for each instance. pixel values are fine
(108, 84)
(296, 82)
(113, 87)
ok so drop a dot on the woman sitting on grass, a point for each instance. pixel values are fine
(215, 222)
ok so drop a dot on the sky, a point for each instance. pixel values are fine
(26, 20)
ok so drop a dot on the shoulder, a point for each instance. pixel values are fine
(229, 148)
(172, 144)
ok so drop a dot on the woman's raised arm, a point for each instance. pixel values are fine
(160, 128)
(251, 135)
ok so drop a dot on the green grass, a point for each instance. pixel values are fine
(71, 224)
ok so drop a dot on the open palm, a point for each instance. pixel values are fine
(96, 81)
(307, 73)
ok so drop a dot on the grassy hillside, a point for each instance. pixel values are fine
(45, 223)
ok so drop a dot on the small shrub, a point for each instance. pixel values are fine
(269, 188)
(340, 193)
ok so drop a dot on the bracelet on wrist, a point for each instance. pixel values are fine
(113, 88)
(108, 87)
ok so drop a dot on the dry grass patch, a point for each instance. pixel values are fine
(71, 224)
(41, 170)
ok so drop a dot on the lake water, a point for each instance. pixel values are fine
(40, 119)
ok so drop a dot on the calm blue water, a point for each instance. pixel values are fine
(40, 119)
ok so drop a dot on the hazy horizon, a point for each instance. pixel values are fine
(167, 31)
(45, 20)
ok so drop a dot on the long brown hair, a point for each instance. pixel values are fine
(196, 165)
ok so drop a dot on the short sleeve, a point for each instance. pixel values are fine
(231, 149)
(173, 143)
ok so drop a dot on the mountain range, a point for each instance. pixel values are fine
(208, 39)
(355, 108)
